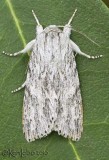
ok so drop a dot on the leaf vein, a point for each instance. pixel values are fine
(74, 150)
(97, 123)
(10, 6)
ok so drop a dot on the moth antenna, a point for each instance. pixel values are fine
(86, 37)
(35, 17)
(72, 17)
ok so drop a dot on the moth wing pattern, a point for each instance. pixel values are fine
(69, 122)
(37, 110)
(52, 99)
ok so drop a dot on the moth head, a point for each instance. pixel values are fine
(39, 27)
(52, 28)
(67, 28)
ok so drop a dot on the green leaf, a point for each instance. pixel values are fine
(17, 27)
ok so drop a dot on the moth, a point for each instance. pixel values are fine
(52, 97)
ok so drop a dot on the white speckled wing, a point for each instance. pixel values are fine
(70, 112)
(52, 99)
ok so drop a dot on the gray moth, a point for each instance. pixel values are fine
(52, 98)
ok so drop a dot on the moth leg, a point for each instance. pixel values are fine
(27, 48)
(88, 56)
(77, 50)
(18, 89)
